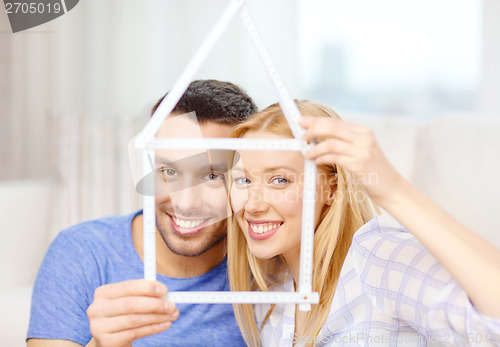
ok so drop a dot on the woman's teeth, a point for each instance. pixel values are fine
(187, 224)
(262, 228)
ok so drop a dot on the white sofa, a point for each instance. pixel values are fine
(455, 160)
(26, 215)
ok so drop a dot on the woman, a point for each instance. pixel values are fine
(377, 284)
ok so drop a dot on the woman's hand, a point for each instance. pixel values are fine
(472, 261)
(354, 148)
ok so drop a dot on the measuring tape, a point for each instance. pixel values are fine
(307, 235)
(241, 297)
(149, 223)
(146, 140)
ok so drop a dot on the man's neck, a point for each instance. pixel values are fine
(174, 265)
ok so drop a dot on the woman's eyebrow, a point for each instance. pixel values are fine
(279, 167)
(266, 169)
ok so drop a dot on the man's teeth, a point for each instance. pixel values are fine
(262, 228)
(187, 224)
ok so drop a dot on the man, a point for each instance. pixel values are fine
(88, 290)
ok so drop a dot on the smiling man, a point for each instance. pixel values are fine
(89, 290)
(191, 194)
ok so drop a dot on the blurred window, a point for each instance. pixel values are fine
(391, 56)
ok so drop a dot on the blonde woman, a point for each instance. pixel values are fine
(379, 282)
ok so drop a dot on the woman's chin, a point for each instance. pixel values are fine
(262, 254)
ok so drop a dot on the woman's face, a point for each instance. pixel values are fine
(266, 196)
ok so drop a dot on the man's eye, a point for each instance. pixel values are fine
(214, 177)
(169, 172)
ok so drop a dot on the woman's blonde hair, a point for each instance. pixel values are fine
(333, 236)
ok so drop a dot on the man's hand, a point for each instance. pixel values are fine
(125, 311)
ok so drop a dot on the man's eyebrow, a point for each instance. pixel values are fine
(164, 161)
(201, 161)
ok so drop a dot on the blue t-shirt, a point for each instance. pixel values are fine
(91, 254)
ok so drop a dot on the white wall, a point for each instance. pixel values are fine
(490, 85)
(5, 96)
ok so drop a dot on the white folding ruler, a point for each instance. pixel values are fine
(147, 142)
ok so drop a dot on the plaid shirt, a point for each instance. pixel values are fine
(391, 292)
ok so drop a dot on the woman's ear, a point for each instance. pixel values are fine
(332, 183)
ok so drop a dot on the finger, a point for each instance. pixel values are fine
(127, 336)
(331, 146)
(134, 321)
(329, 159)
(148, 330)
(330, 127)
(334, 128)
(139, 287)
(130, 305)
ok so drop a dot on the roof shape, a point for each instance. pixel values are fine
(234, 8)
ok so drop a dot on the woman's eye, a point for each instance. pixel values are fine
(279, 180)
(241, 181)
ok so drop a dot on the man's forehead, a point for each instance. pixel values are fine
(187, 125)
(180, 125)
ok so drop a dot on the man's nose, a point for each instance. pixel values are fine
(187, 198)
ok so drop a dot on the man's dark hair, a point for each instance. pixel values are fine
(214, 101)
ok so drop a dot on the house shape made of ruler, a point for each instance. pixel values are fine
(147, 142)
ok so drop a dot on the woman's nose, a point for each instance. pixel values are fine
(256, 202)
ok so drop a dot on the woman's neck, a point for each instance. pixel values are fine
(292, 260)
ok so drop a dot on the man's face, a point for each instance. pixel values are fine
(191, 199)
